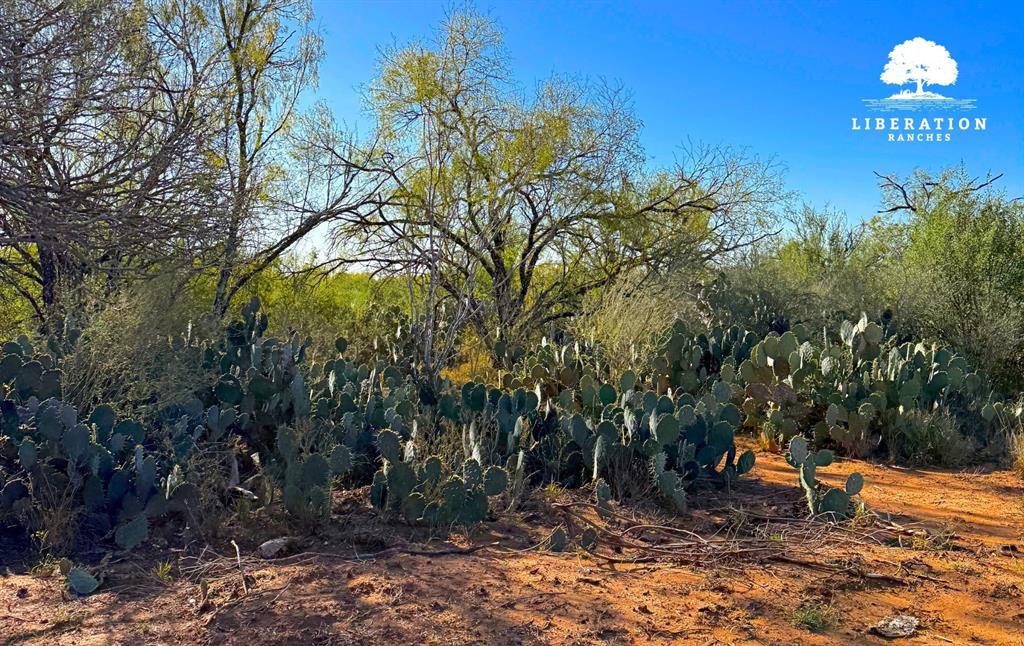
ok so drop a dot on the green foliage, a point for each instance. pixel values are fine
(671, 424)
(561, 160)
(860, 390)
(432, 493)
(944, 263)
(604, 494)
(306, 483)
(104, 418)
(814, 617)
(964, 263)
(366, 311)
(667, 427)
(676, 420)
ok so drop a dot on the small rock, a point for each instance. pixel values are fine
(274, 547)
(895, 627)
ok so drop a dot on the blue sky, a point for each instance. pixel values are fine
(779, 79)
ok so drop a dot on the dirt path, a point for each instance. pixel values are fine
(963, 580)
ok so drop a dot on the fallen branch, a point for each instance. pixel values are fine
(876, 576)
(391, 551)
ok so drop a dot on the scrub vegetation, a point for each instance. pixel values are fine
(510, 325)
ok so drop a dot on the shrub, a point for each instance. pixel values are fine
(927, 437)
(130, 348)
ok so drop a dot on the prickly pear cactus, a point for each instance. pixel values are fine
(424, 494)
(51, 452)
(820, 498)
(306, 476)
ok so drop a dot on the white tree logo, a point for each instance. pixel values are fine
(919, 61)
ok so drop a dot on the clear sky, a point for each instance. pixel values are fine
(780, 79)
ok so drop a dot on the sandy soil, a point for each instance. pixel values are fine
(957, 565)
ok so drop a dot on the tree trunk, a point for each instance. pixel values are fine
(920, 86)
(222, 295)
(57, 273)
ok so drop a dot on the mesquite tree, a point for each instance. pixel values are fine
(507, 211)
(102, 165)
(161, 136)
(283, 170)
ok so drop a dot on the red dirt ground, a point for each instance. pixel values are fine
(958, 568)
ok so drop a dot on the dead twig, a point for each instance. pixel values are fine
(241, 570)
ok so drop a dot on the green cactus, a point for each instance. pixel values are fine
(668, 483)
(604, 494)
(821, 499)
(557, 540)
(745, 462)
(559, 416)
(340, 460)
(589, 539)
(495, 481)
(389, 445)
(666, 429)
(81, 582)
(132, 533)
(102, 464)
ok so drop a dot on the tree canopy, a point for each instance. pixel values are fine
(511, 207)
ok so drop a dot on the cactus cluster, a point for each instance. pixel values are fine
(854, 389)
(777, 368)
(577, 424)
(306, 490)
(552, 366)
(558, 416)
(260, 378)
(99, 462)
(27, 374)
(431, 493)
(684, 439)
(873, 387)
(821, 499)
(688, 362)
(113, 469)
